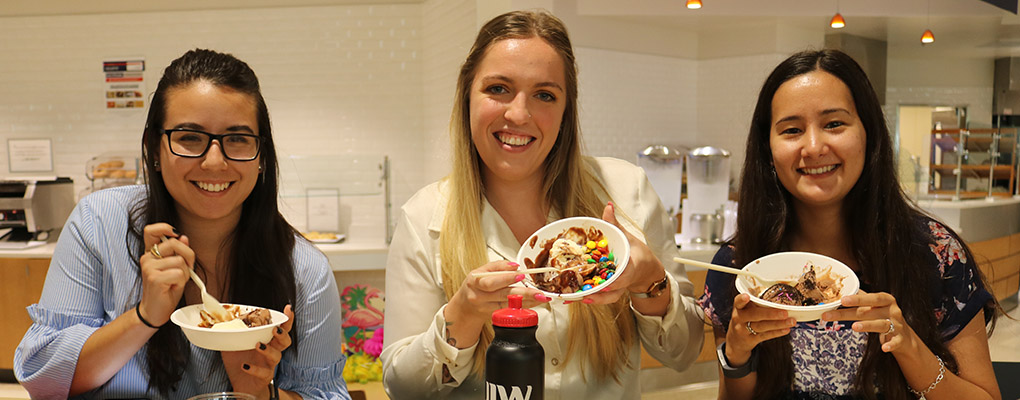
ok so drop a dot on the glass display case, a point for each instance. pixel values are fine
(973, 163)
(112, 169)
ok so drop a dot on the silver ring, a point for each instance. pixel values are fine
(155, 251)
(748, 326)
(891, 327)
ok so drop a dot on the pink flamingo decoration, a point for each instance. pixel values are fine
(360, 314)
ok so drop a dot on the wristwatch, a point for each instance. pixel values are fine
(655, 290)
(736, 372)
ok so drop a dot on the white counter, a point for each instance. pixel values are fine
(351, 255)
(979, 219)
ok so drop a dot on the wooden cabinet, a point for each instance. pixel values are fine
(21, 283)
(999, 260)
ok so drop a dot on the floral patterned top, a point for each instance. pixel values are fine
(826, 354)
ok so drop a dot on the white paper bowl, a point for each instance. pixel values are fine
(791, 265)
(618, 245)
(225, 340)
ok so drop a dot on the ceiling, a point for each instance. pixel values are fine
(963, 28)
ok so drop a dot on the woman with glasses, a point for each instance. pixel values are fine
(121, 266)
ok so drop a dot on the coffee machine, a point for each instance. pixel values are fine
(33, 209)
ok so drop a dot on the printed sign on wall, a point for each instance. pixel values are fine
(125, 84)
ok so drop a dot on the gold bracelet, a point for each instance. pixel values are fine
(942, 374)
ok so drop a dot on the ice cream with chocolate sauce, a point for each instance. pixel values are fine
(581, 257)
(812, 288)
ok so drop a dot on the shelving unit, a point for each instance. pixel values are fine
(973, 163)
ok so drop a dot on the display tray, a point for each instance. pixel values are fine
(321, 237)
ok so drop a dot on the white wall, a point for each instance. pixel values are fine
(629, 101)
(339, 80)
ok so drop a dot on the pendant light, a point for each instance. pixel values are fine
(837, 20)
(927, 36)
(694, 4)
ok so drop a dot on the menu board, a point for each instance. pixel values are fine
(125, 83)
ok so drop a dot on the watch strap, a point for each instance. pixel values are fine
(655, 290)
(736, 372)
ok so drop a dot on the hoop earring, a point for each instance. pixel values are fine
(155, 164)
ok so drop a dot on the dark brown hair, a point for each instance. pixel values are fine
(884, 228)
(260, 268)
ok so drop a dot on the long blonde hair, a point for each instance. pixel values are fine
(601, 335)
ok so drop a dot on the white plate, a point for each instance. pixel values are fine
(791, 265)
(224, 340)
(618, 245)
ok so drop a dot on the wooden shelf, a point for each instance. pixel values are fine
(974, 171)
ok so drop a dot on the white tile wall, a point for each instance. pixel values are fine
(629, 101)
(341, 80)
(727, 92)
(446, 41)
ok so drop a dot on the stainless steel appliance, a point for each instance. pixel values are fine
(32, 209)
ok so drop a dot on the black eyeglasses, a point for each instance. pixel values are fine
(193, 143)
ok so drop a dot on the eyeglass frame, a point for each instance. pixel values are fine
(169, 143)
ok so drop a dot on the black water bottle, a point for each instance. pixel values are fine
(515, 361)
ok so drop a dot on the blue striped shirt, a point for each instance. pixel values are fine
(92, 280)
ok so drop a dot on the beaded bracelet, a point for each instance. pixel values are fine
(942, 374)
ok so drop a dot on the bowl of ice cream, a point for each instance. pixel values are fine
(246, 327)
(587, 254)
(814, 283)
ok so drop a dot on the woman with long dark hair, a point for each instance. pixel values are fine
(819, 176)
(101, 328)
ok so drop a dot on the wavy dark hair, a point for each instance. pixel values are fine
(885, 237)
(260, 270)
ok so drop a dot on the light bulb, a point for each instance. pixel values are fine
(837, 21)
(927, 37)
(694, 4)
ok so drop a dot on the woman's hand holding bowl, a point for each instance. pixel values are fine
(250, 371)
(751, 324)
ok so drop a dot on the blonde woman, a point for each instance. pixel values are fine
(518, 166)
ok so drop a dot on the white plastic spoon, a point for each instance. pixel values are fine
(736, 271)
(516, 271)
(212, 306)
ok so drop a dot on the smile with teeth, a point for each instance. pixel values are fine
(818, 170)
(513, 140)
(213, 187)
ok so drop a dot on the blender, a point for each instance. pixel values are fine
(708, 188)
(665, 170)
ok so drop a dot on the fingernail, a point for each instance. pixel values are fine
(262, 346)
(791, 322)
(567, 301)
(246, 366)
(541, 297)
(519, 277)
(513, 264)
(587, 301)
(279, 330)
(856, 326)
